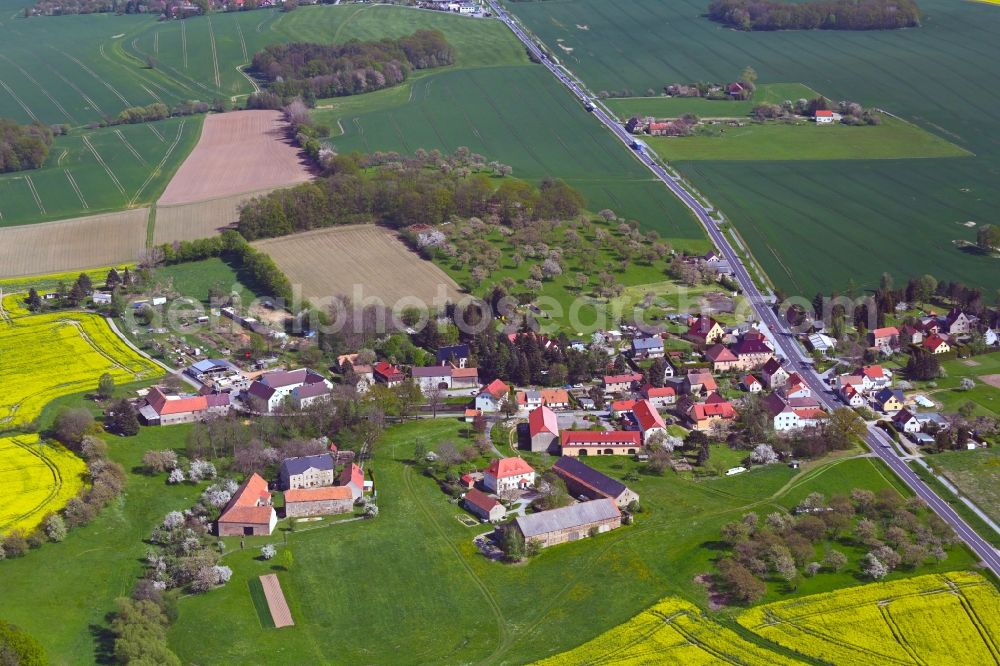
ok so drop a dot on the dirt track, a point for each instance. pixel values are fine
(280, 613)
(241, 151)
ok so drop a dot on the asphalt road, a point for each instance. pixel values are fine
(878, 440)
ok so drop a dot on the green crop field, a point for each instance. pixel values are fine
(661, 106)
(471, 103)
(447, 604)
(805, 140)
(544, 133)
(868, 217)
(95, 171)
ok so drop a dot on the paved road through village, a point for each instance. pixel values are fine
(878, 440)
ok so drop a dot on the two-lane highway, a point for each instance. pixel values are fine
(784, 341)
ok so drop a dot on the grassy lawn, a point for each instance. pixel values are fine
(985, 396)
(674, 107)
(893, 139)
(195, 279)
(444, 602)
(975, 473)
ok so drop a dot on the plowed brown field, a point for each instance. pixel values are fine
(362, 261)
(238, 152)
(69, 245)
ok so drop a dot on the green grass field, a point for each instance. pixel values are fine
(661, 106)
(96, 171)
(194, 279)
(867, 216)
(893, 139)
(985, 396)
(443, 602)
(975, 473)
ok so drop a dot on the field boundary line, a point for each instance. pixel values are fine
(131, 345)
(156, 170)
(156, 42)
(215, 55)
(34, 193)
(76, 188)
(20, 101)
(104, 164)
(184, 45)
(155, 131)
(45, 92)
(897, 633)
(128, 145)
(243, 44)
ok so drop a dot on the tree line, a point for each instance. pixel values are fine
(821, 15)
(360, 189)
(23, 147)
(310, 71)
(160, 111)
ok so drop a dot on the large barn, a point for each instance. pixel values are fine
(570, 523)
(249, 512)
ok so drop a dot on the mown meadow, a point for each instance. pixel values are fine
(868, 216)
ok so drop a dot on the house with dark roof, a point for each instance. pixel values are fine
(307, 471)
(270, 391)
(457, 355)
(486, 507)
(585, 481)
(432, 377)
(569, 523)
(309, 394)
(647, 347)
(752, 352)
(905, 421)
(249, 512)
(889, 400)
(774, 375)
(576, 443)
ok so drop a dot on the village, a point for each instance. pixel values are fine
(648, 402)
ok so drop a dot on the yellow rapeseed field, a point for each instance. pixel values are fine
(49, 355)
(36, 478)
(671, 632)
(941, 619)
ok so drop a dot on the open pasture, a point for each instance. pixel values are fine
(37, 479)
(70, 245)
(787, 211)
(49, 355)
(95, 171)
(242, 151)
(341, 260)
(975, 473)
(949, 618)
